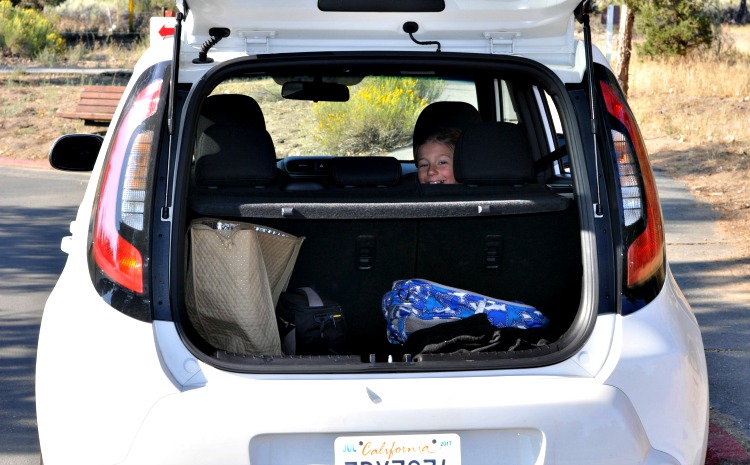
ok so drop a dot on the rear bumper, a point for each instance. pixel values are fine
(500, 420)
(645, 402)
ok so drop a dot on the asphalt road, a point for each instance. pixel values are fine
(715, 282)
(36, 207)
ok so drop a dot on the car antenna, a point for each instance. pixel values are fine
(216, 33)
(582, 15)
(410, 27)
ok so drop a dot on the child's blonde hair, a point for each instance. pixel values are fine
(446, 136)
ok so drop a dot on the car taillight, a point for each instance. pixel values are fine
(643, 234)
(120, 236)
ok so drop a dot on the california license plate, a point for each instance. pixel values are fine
(408, 449)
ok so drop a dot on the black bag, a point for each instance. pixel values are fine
(309, 324)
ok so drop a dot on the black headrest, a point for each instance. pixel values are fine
(365, 171)
(456, 115)
(226, 156)
(236, 108)
(493, 154)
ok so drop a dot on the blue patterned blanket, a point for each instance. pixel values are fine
(414, 304)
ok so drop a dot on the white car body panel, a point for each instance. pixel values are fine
(130, 378)
(662, 343)
(541, 31)
(509, 26)
(301, 425)
(81, 335)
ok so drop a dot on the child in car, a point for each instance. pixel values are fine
(434, 157)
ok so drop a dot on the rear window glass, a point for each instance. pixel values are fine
(377, 119)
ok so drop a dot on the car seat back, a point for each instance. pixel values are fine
(493, 153)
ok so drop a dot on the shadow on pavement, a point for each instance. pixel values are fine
(715, 278)
(31, 261)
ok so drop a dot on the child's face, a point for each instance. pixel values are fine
(435, 164)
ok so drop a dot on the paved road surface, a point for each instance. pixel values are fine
(715, 282)
(36, 208)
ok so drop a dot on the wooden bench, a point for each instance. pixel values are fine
(97, 104)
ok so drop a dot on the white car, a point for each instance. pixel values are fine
(268, 268)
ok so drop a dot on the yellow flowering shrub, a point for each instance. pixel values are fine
(26, 32)
(378, 117)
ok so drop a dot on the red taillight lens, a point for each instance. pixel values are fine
(119, 259)
(640, 202)
(122, 194)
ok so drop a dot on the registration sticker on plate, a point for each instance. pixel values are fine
(408, 449)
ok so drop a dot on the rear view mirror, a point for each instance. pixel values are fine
(315, 91)
(75, 152)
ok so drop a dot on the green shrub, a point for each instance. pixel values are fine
(674, 27)
(26, 32)
(378, 117)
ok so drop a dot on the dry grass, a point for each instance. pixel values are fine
(29, 102)
(108, 55)
(695, 115)
(105, 56)
(28, 111)
(739, 37)
(700, 101)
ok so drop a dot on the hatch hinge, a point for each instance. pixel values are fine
(502, 42)
(256, 42)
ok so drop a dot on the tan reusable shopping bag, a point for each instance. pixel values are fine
(236, 272)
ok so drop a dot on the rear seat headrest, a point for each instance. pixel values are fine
(365, 171)
(456, 115)
(237, 108)
(493, 154)
(230, 155)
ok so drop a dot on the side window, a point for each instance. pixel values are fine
(461, 91)
(553, 129)
(504, 106)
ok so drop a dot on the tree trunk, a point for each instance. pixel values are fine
(624, 46)
(742, 12)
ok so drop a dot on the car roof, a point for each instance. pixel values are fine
(542, 30)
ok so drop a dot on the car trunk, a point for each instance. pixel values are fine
(518, 241)
(533, 258)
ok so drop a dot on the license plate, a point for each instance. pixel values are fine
(408, 449)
